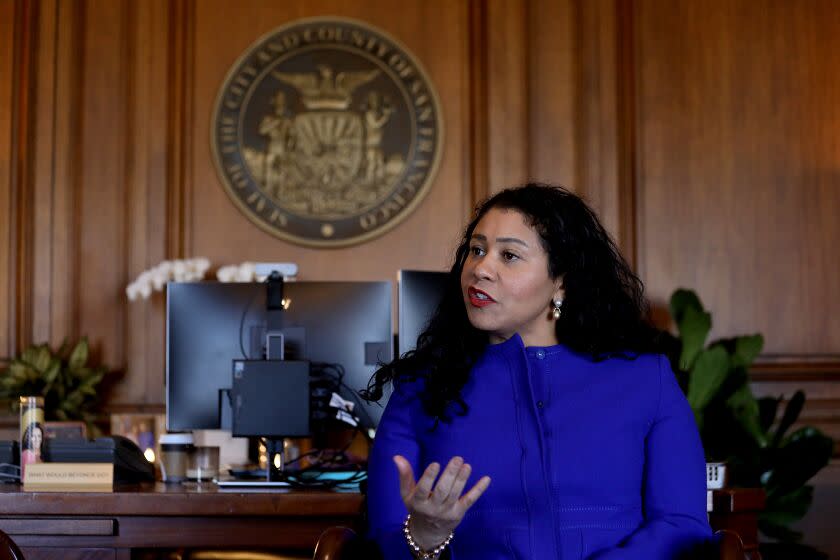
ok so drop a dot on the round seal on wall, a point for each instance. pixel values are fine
(327, 132)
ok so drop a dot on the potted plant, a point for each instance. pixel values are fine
(746, 432)
(63, 377)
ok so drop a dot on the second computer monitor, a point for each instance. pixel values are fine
(419, 294)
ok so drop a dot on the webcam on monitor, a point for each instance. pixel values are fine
(264, 270)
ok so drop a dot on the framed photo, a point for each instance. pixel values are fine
(144, 429)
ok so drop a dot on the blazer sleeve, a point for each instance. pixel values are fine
(386, 510)
(676, 524)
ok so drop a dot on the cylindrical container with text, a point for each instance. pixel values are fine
(31, 431)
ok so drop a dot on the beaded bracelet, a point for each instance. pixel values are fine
(418, 552)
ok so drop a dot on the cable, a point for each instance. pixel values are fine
(313, 475)
(301, 480)
(324, 367)
(242, 323)
(9, 476)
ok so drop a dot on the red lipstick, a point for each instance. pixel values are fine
(479, 298)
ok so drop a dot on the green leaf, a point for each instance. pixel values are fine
(20, 371)
(51, 374)
(799, 458)
(784, 509)
(707, 375)
(79, 356)
(72, 401)
(768, 408)
(682, 300)
(694, 328)
(747, 349)
(89, 387)
(746, 411)
(37, 357)
(792, 410)
(68, 385)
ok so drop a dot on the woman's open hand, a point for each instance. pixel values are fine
(436, 509)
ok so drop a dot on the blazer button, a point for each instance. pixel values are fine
(540, 404)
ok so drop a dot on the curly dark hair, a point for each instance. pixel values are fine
(605, 313)
(26, 440)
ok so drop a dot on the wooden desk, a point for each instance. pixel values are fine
(100, 526)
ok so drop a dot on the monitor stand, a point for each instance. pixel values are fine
(274, 459)
(274, 470)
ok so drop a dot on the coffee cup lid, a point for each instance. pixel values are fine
(176, 439)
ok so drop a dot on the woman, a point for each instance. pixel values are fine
(31, 442)
(535, 406)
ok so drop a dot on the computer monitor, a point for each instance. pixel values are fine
(418, 296)
(210, 324)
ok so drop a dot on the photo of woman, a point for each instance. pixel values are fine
(30, 445)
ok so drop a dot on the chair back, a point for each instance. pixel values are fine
(8, 549)
(731, 546)
(336, 543)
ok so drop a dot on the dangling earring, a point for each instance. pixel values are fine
(557, 311)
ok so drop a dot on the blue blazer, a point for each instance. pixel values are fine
(588, 460)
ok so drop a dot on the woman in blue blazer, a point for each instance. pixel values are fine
(536, 411)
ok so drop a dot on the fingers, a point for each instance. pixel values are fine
(458, 484)
(443, 488)
(468, 499)
(446, 493)
(406, 476)
(424, 485)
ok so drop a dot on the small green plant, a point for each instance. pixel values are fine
(63, 377)
(744, 431)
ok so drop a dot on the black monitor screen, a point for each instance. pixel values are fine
(210, 324)
(419, 295)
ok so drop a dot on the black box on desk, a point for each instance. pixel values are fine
(9, 461)
(270, 398)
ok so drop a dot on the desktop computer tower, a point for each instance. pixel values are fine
(270, 398)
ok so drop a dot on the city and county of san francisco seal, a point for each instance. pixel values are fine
(327, 132)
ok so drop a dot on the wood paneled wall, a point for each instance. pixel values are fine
(705, 133)
(736, 176)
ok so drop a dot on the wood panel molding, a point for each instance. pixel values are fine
(507, 99)
(9, 18)
(147, 195)
(476, 148)
(41, 166)
(21, 200)
(627, 117)
(597, 104)
(818, 379)
(105, 160)
(43, 147)
(553, 91)
(787, 368)
(181, 65)
(64, 245)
